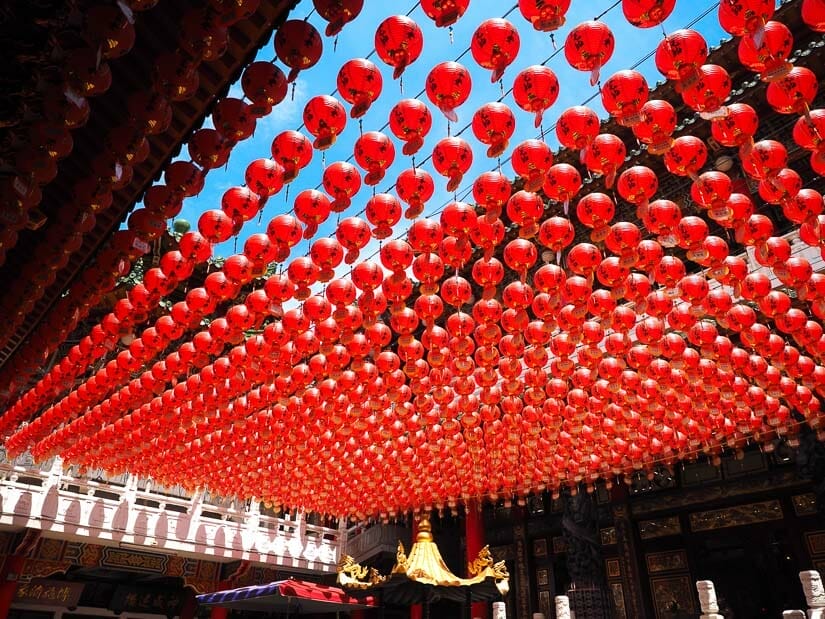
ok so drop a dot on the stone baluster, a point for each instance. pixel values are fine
(499, 610)
(707, 600)
(563, 607)
(814, 593)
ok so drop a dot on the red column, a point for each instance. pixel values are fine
(474, 531)
(9, 577)
(190, 605)
(416, 610)
(217, 611)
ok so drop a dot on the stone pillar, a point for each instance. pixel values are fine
(814, 593)
(562, 607)
(499, 610)
(707, 600)
(474, 532)
(416, 610)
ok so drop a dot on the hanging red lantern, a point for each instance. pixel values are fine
(215, 226)
(414, 187)
(338, 13)
(264, 177)
(293, 151)
(298, 45)
(353, 233)
(240, 203)
(742, 17)
(410, 121)
(383, 211)
(813, 14)
(359, 83)
(494, 124)
(737, 127)
(209, 149)
(770, 57)
(545, 15)
(176, 76)
(764, 159)
(535, 89)
(203, 36)
(809, 131)
(686, 156)
(708, 92)
(458, 219)
(495, 45)
(327, 254)
(794, 93)
(492, 190)
(637, 185)
(233, 119)
(325, 118)
(112, 29)
(398, 42)
(647, 13)
(444, 12)
(562, 183)
(577, 127)
(657, 122)
(781, 187)
(623, 95)
(374, 152)
(583, 258)
(680, 54)
(712, 190)
(525, 209)
(604, 155)
(555, 233)
(342, 181)
(595, 210)
(531, 160)
(265, 85)
(448, 86)
(588, 47)
(452, 158)
(312, 208)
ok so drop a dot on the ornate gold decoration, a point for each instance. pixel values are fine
(425, 565)
(356, 576)
(751, 513)
(661, 527)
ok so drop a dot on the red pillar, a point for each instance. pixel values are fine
(190, 605)
(416, 610)
(9, 577)
(217, 611)
(474, 532)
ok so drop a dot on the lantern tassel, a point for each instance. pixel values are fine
(594, 76)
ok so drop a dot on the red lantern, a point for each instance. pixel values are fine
(623, 95)
(588, 47)
(680, 54)
(338, 13)
(813, 14)
(265, 85)
(545, 15)
(233, 119)
(325, 118)
(647, 13)
(264, 177)
(342, 181)
(742, 17)
(657, 121)
(176, 76)
(494, 124)
(312, 208)
(764, 159)
(770, 57)
(448, 86)
(637, 185)
(327, 254)
(240, 203)
(374, 152)
(359, 83)
(444, 12)
(793, 93)
(203, 36)
(414, 186)
(781, 187)
(383, 211)
(209, 149)
(353, 233)
(293, 151)
(216, 226)
(452, 157)
(535, 89)
(495, 45)
(595, 210)
(737, 127)
(562, 183)
(686, 156)
(492, 190)
(577, 127)
(398, 42)
(410, 121)
(712, 190)
(531, 160)
(604, 156)
(525, 210)
(809, 131)
(298, 45)
(708, 92)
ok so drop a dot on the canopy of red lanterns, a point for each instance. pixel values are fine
(533, 338)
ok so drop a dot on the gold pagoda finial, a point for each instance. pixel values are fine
(425, 530)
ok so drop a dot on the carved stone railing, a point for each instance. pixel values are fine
(128, 511)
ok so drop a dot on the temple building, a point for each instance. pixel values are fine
(300, 320)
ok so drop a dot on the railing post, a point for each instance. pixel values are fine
(814, 593)
(707, 600)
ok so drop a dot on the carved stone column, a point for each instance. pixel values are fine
(562, 607)
(814, 593)
(707, 600)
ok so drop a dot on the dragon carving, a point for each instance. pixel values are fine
(354, 575)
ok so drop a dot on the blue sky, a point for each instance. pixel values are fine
(356, 40)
